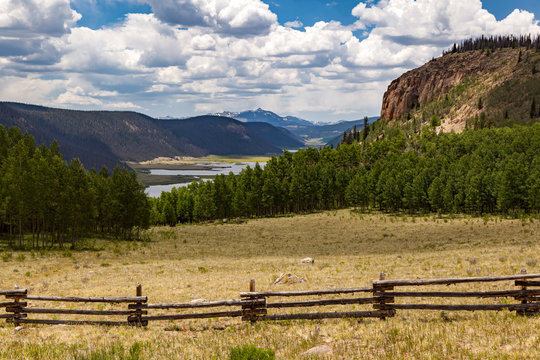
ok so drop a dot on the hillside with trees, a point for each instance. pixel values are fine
(46, 202)
(109, 138)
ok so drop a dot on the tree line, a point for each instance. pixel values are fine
(484, 171)
(493, 43)
(46, 201)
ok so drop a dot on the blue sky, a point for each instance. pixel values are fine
(320, 60)
(99, 13)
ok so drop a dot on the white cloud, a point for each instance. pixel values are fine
(36, 17)
(294, 24)
(123, 106)
(240, 18)
(29, 89)
(27, 28)
(72, 98)
(426, 22)
(408, 32)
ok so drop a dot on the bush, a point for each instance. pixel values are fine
(435, 121)
(251, 352)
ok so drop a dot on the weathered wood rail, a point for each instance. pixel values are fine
(382, 301)
(17, 311)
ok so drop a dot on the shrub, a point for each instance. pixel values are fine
(251, 352)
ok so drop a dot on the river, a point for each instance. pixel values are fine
(216, 169)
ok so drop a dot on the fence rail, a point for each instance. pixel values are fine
(253, 306)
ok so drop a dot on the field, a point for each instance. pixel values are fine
(216, 261)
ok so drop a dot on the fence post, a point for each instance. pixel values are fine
(252, 312)
(524, 297)
(17, 307)
(136, 318)
(383, 298)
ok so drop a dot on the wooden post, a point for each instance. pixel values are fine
(524, 299)
(17, 308)
(252, 312)
(136, 318)
(380, 295)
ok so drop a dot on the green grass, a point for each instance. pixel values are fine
(251, 352)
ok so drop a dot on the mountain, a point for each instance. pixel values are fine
(310, 133)
(269, 117)
(110, 137)
(225, 136)
(493, 86)
(278, 136)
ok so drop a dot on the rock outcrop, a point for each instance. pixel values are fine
(433, 80)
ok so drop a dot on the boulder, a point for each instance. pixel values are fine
(319, 350)
(307, 260)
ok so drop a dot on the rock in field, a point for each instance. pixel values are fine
(319, 350)
(307, 260)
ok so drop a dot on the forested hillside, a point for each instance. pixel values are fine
(224, 136)
(56, 203)
(108, 138)
(485, 171)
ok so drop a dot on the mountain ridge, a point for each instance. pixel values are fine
(313, 134)
(111, 137)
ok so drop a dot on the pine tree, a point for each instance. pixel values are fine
(366, 129)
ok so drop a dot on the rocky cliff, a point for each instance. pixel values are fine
(457, 88)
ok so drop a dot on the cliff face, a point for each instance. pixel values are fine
(433, 80)
(499, 84)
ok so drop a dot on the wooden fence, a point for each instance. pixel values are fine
(381, 300)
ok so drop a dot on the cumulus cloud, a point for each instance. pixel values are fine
(409, 32)
(36, 17)
(427, 22)
(141, 42)
(126, 105)
(240, 18)
(294, 24)
(26, 28)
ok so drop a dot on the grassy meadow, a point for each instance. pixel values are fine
(216, 261)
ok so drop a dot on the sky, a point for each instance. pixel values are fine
(320, 60)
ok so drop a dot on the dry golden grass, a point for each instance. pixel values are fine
(216, 262)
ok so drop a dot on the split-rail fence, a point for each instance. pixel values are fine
(381, 300)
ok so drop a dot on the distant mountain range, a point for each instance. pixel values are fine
(269, 117)
(312, 134)
(110, 137)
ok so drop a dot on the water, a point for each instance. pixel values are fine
(155, 190)
(217, 169)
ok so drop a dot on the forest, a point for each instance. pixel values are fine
(495, 171)
(47, 202)
(493, 43)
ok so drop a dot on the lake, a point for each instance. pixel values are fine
(215, 169)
